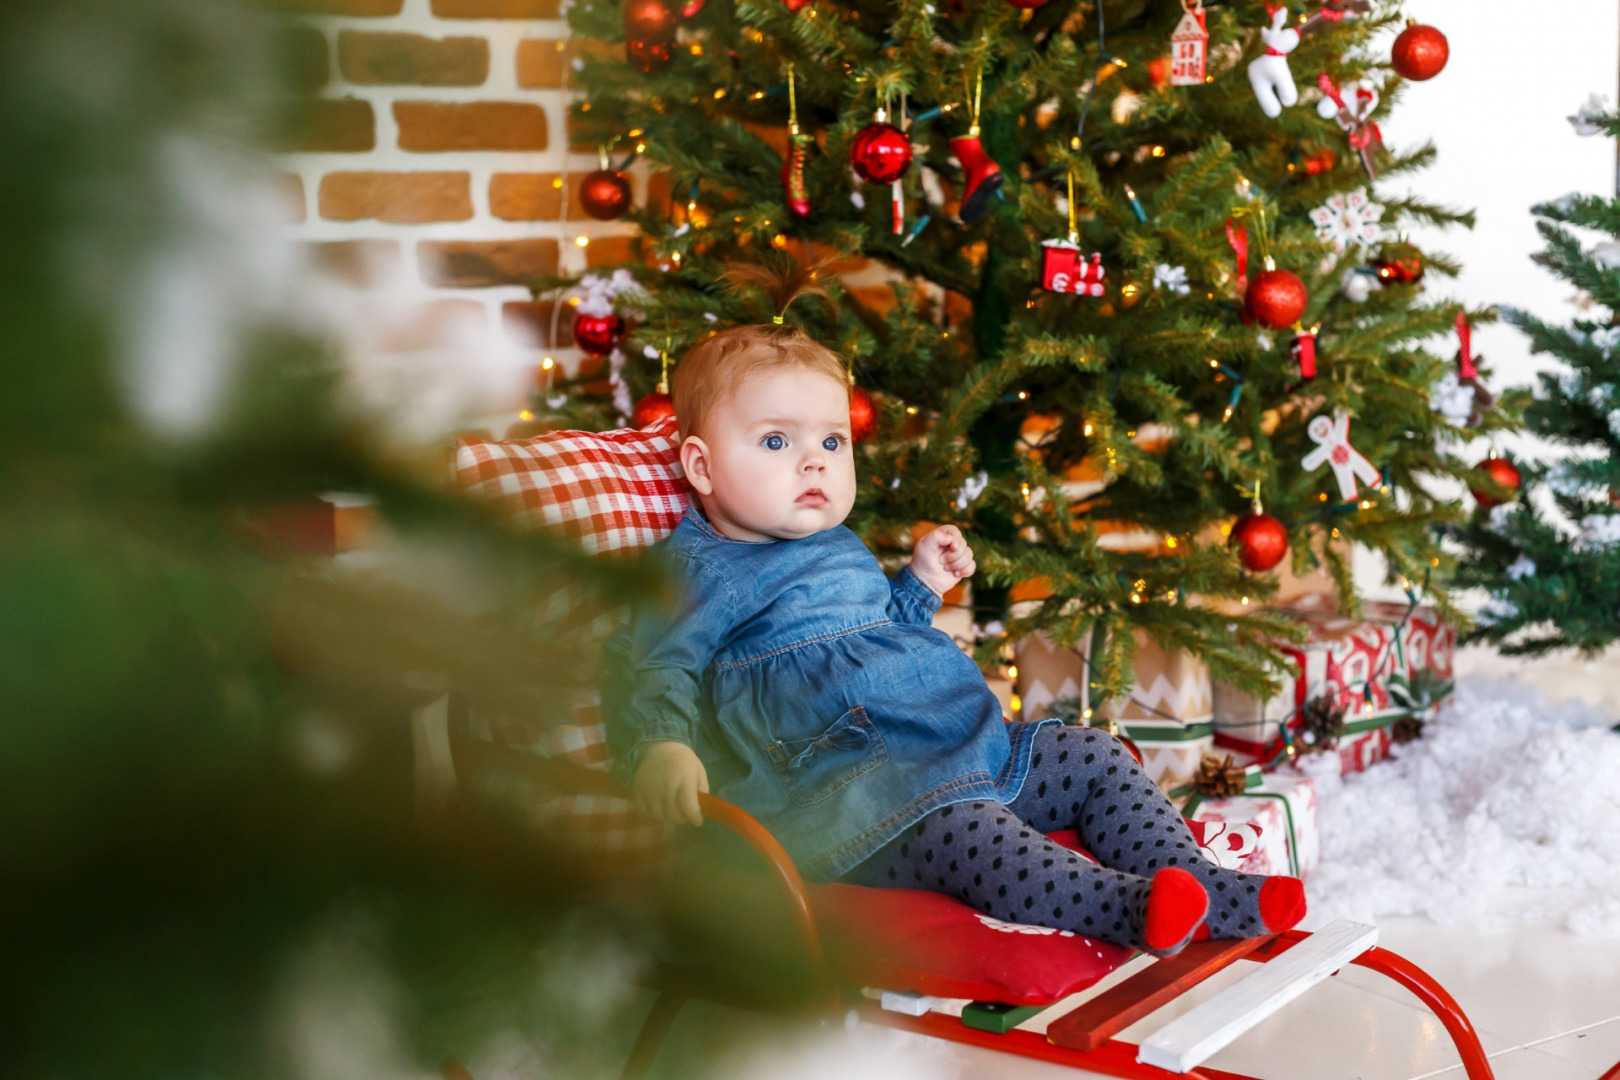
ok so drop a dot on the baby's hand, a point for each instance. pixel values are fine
(667, 781)
(942, 558)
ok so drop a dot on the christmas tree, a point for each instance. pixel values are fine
(1121, 278)
(1554, 577)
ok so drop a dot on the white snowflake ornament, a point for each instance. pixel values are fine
(1600, 531)
(1521, 568)
(1171, 279)
(1348, 219)
(971, 489)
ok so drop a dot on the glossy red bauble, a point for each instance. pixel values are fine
(863, 414)
(605, 194)
(647, 56)
(1505, 473)
(1261, 541)
(1320, 163)
(651, 409)
(1276, 298)
(1159, 70)
(1420, 53)
(598, 335)
(1027, 5)
(880, 153)
(649, 21)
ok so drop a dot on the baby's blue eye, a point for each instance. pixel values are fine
(774, 442)
(831, 443)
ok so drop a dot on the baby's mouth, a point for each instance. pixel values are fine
(813, 497)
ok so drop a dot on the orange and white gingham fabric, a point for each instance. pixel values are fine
(607, 491)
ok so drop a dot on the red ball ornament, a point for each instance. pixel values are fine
(654, 407)
(598, 335)
(1419, 53)
(863, 415)
(649, 21)
(647, 56)
(1158, 70)
(880, 153)
(1505, 473)
(1261, 541)
(1027, 5)
(1276, 298)
(605, 194)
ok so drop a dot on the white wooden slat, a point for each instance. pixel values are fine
(1190, 1039)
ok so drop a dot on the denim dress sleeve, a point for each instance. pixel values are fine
(657, 666)
(910, 601)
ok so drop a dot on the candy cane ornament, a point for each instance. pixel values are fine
(1332, 438)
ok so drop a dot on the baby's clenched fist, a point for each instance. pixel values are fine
(942, 558)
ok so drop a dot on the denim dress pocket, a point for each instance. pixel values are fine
(813, 769)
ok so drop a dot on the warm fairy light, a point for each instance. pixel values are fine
(756, 95)
(1131, 434)
(1157, 151)
(720, 93)
(1016, 702)
(946, 334)
(697, 50)
(1226, 529)
(676, 257)
(573, 301)
(1141, 585)
(641, 148)
(636, 133)
(1012, 671)
(1074, 142)
(1367, 707)
(556, 182)
(779, 241)
(586, 107)
(1214, 363)
(911, 410)
(1227, 415)
(1029, 303)
(1335, 534)
(1023, 395)
(525, 415)
(1243, 182)
(1128, 291)
(1209, 78)
(1323, 496)
(1024, 489)
(1136, 598)
(1405, 584)
(1170, 542)
(1130, 192)
(547, 364)
(1245, 601)
(1171, 596)
(1086, 430)
(1434, 562)
(582, 240)
(1366, 504)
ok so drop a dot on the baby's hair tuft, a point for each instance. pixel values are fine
(782, 280)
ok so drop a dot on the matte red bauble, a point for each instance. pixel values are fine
(1504, 472)
(605, 194)
(1026, 4)
(1276, 298)
(598, 335)
(649, 21)
(1261, 541)
(647, 56)
(862, 414)
(651, 409)
(1419, 53)
(880, 153)
(1159, 70)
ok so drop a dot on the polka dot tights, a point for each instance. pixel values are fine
(996, 858)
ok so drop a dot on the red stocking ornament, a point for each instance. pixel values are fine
(981, 176)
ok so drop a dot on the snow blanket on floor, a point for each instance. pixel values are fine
(1504, 796)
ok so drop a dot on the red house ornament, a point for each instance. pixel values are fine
(1189, 45)
(1065, 270)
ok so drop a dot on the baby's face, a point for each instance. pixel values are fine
(774, 460)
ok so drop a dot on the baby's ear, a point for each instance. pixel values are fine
(695, 462)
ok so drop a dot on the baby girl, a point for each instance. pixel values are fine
(800, 683)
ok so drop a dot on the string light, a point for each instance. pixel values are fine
(1157, 151)
(911, 410)
(1085, 714)
(582, 240)
(525, 415)
(1023, 395)
(556, 182)
(1245, 601)
(779, 241)
(1170, 542)
(1012, 671)
(1016, 702)
(1135, 598)
(547, 364)
(1087, 429)
(720, 93)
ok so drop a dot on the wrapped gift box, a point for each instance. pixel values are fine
(1376, 675)
(1269, 829)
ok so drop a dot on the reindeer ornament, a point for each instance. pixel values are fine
(1268, 73)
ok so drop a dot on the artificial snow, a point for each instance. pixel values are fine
(1502, 795)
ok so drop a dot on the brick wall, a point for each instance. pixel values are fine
(435, 154)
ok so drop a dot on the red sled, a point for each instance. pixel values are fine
(846, 944)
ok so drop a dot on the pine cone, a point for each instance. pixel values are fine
(1218, 778)
(1406, 729)
(1324, 724)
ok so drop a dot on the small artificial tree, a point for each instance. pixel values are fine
(1554, 578)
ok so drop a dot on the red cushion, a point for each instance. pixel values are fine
(605, 489)
(927, 942)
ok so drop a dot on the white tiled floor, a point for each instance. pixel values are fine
(1546, 1005)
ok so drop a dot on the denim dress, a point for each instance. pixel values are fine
(815, 692)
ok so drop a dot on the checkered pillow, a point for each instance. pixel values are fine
(607, 491)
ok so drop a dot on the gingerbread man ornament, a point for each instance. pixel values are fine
(1332, 438)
